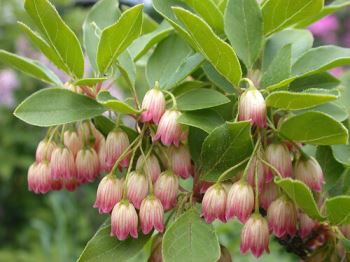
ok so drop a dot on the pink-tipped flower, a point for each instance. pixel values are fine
(124, 220)
(169, 130)
(137, 188)
(44, 150)
(90, 134)
(269, 194)
(255, 236)
(282, 217)
(258, 166)
(73, 141)
(109, 193)
(306, 225)
(39, 177)
(116, 143)
(88, 166)
(180, 158)
(153, 105)
(166, 189)
(240, 201)
(309, 172)
(150, 166)
(62, 166)
(279, 157)
(214, 203)
(252, 107)
(151, 215)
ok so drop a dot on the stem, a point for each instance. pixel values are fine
(249, 82)
(148, 173)
(270, 166)
(62, 134)
(244, 176)
(172, 98)
(52, 131)
(222, 176)
(256, 190)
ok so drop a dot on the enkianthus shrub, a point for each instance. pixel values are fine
(240, 120)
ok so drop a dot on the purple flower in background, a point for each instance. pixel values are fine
(326, 29)
(8, 84)
(337, 72)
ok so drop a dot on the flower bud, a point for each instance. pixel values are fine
(279, 157)
(309, 172)
(116, 144)
(153, 105)
(62, 166)
(166, 189)
(137, 188)
(255, 236)
(252, 107)
(73, 141)
(282, 217)
(214, 203)
(269, 194)
(169, 130)
(260, 172)
(88, 166)
(240, 201)
(124, 220)
(44, 150)
(151, 215)
(109, 193)
(39, 177)
(181, 161)
(150, 166)
(306, 225)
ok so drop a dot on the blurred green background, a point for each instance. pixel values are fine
(56, 226)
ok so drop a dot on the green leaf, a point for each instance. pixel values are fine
(187, 86)
(314, 128)
(332, 109)
(215, 50)
(320, 59)
(299, 193)
(196, 138)
(59, 36)
(208, 10)
(279, 70)
(162, 64)
(206, 119)
(142, 44)
(44, 47)
(338, 210)
(104, 13)
(321, 80)
(280, 14)
(244, 29)
(189, 238)
(103, 247)
(294, 101)
(89, 81)
(117, 37)
(225, 147)
(29, 67)
(200, 98)
(106, 99)
(127, 68)
(217, 79)
(342, 153)
(57, 106)
(300, 40)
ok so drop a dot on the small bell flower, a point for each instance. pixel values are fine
(306, 225)
(282, 217)
(309, 172)
(151, 215)
(151, 166)
(252, 107)
(169, 130)
(116, 144)
(62, 166)
(255, 164)
(39, 177)
(180, 158)
(279, 157)
(214, 203)
(137, 188)
(73, 141)
(166, 189)
(153, 105)
(109, 193)
(88, 165)
(44, 150)
(240, 201)
(269, 194)
(255, 236)
(124, 220)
